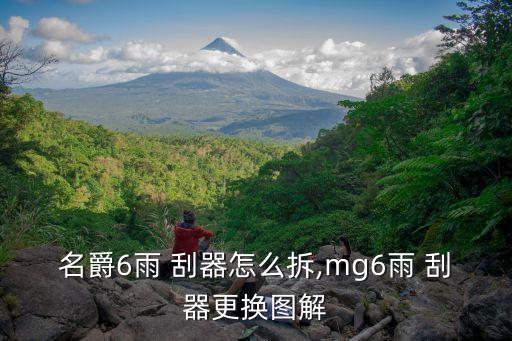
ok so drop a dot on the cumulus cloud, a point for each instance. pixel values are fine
(64, 52)
(58, 29)
(152, 57)
(342, 67)
(17, 28)
(346, 66)
(139, 51)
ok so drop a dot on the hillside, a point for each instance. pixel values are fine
(88, 187)
(257, 103)
(423, 165)
(198, 101)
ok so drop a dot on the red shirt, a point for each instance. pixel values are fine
(186, 240)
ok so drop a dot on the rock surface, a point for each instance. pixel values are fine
(45, 305)
(37, 303)
(424, 328)
(487, 311)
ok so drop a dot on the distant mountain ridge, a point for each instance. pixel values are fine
(257, 103)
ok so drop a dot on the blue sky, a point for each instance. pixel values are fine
(281, 23)
(258, 26)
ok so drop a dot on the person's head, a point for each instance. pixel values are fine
(189, 217)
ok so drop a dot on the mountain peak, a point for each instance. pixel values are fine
(222, 44)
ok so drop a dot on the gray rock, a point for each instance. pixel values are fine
(160, 287)
(442, 296)
(397, 313)
(173, 327)
(487, 312)
(140, 298)
(482, 285)
(107, 313)
(49, 304)
(346, 315)
(373, 313)
(423, 327)
(269, 290)
(309, 286)
(346, 296)
(38, 255)
(6, 327)
(98, 284)
(328, 251)
(123, 283)
(34, 328)
(95, 335)
(187, 287)
(334, 323)
(371, 296)
(318, 332)
(337, 336)
(359, 317)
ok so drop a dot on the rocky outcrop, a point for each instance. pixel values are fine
(37, 303)
(171, 326)
(424, 327)
(43, 305)
(487, 310)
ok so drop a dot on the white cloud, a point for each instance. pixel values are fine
(65, 52)
(233, 43)
(342, 67)
(139, 51)
(152, 57)
(58, 29)
(346, 67)
(17, 28)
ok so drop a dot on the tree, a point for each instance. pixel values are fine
(15, 69)
(484, 27)
(381, 83)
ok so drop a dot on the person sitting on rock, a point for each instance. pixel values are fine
(187, 235)
(339, 250)
(187, 238)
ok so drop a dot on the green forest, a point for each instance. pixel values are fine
(88, 188)
(423, 164)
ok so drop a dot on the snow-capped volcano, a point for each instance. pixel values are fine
(256, 103)
(222, 44)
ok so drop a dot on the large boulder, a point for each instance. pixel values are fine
(6, 326)
(141, 297)
(346, 296)
(423, 327)
(47, 305)
(270, 290)
(318, 332)
(487, 311)
(174, 327)
(346, 315)
(96, 335)
(374, 313)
